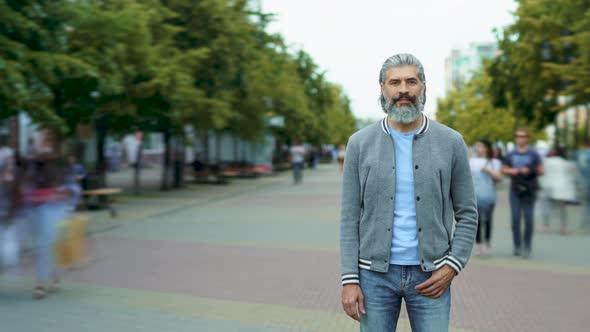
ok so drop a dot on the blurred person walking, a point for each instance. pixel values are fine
(406, 179)
(47, 195)
(559, 185)
(75, 173)
(524, 166)
(10, 206)
(297, 153)
(486, 171)
(583, 163)
(340, 155)
(497, 153)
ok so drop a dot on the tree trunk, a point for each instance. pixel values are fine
(577, 129)
(587, 127)
(218, 166)
(137, 166)
(236, 148)
(556, 135)
(101, 139)
(218, 136)
(166, 161)
(14, 135)
(16, 198)
(206, 160)
(566, 130)
(179, 162)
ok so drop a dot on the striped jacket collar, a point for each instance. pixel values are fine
(423, 129)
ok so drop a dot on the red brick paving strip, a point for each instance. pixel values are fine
(484, 298)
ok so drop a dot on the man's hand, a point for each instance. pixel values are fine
(513, 171)
(438, 282)
(351, 297)
(525, 170)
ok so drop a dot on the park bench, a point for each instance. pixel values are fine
(104, 197)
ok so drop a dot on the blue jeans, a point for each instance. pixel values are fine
(298, 172)
(44, 224)
(484, 221)
(383, 293)
(525, 206)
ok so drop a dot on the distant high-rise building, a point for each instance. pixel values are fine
(461, 64)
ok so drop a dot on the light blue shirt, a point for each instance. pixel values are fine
(404, 242)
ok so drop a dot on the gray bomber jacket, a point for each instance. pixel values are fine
(444, 193)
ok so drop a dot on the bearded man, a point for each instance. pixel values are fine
(406, 180)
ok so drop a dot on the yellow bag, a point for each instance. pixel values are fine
(71, 245)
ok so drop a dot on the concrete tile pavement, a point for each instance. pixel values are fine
(262, 255)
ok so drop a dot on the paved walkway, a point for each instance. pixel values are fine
(262, 255)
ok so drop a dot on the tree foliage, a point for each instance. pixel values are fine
(471, 112)
(543, 68)
(545, 55)
(159, 65)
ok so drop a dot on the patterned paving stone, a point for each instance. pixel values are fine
(262, 255)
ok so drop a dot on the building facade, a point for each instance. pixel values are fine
(462, 63)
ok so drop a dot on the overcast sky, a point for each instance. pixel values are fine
(352, 39)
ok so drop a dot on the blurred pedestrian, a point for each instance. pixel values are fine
(497, 153)
(9, 189)
(524, 166)
(583, 163)
(30, 152)
(5, 152)
(75, 180)
(406, 179)
(486, 171)
(47, 194)
(114, 156)
(559, 185)
(9, 204)
(311, 156)
(297, 153)
(340, 155)
(76, 173)
(5, 189)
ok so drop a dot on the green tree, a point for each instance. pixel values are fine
(39, 77)
(470, 111)
(544, 56)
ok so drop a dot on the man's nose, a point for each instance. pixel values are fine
(403, 87)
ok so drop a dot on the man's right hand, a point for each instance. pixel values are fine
(352, 298)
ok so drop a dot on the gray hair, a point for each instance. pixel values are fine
(401, 59)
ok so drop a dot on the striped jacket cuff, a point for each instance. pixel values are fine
(350, 279)
(451, 261)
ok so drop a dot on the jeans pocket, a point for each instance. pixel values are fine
(421, 276)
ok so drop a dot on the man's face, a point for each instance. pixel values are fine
(521, 138)
(404, 94)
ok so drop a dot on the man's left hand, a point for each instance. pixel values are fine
(438, 282)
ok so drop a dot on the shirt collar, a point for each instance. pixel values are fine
(423, 129)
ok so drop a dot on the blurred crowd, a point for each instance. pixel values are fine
(548, 180)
